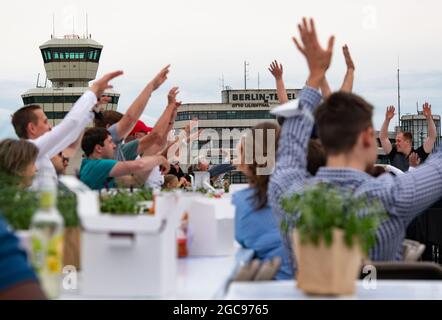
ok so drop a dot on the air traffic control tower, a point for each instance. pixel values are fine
(70, 63)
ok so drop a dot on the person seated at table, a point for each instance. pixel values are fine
(17, 280)
(17, 160)
(255, 227)
(171, 182)
(60, 162)
(99, 169)
(345, 128)
(138, 132)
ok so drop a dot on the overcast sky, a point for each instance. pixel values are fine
(204, 39)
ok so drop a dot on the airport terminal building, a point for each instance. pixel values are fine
(237, 111)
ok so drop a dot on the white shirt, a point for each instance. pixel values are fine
(64, 134)
(155, 179)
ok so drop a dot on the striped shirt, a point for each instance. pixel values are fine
(403, 197)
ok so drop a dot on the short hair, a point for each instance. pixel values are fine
(16, 155)
(110, 117)
(340, 119)
(376, 171)
(407, 135)
(91, 138)
(168, 179)
(316, 157)
(22, 117)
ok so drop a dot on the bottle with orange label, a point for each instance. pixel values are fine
(182, 236)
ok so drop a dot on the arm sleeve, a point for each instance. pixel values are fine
(64, 134)
(14, 267)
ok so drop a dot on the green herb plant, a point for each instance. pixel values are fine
(321, 208)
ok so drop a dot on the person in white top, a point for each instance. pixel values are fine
(30, 122)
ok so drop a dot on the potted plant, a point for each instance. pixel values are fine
(125, 202)
(332, 231)
(67, 205)
(18, 205)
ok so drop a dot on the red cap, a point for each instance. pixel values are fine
(140, 127)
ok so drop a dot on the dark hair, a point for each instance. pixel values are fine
(407, 136)
(316, 157)
(340, 119)
(16, 155)
(260, 182)
(91, 138)
(376, 171)
(110, 117)
(22, 117)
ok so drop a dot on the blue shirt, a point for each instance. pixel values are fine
(14, 267)
(258, 230)
(403, 197)
(95, 173)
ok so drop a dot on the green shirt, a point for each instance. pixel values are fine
(124, 151)
(129, 150)
(95, 173)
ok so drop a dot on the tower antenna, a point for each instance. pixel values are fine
(246, 72)
(398, 91)
(222, 81)
(87, 26)
(53, 25)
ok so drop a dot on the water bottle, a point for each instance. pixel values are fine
(47, 227)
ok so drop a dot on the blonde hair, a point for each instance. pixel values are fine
(16, 155)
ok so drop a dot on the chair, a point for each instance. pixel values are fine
(258, 271)
(413, 250)
(406, 271)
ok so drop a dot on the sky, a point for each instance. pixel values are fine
(206, 40)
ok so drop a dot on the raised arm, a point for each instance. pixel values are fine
(157, 139)
(127, 123)
(383, 135)
(64, 134)
(277, 70)
(325, 88)
(291, 164)
(347, 85)
(140, 166)
(432, 133)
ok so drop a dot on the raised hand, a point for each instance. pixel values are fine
(318, 59)
(102, 84)
(276, 70)
(390, 113)
(426, 108)
(171, 98)
(104, 100)
(164, 165)
(414, 160)
(348, 59)
(160, 78)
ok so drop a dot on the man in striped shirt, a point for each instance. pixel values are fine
(347, 134)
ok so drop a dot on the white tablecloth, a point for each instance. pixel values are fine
(385, 290)
(201, 278)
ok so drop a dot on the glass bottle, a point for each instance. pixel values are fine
(47, 235)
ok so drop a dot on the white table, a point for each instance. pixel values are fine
(201, 278)
(207, 277)
(385, 290)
